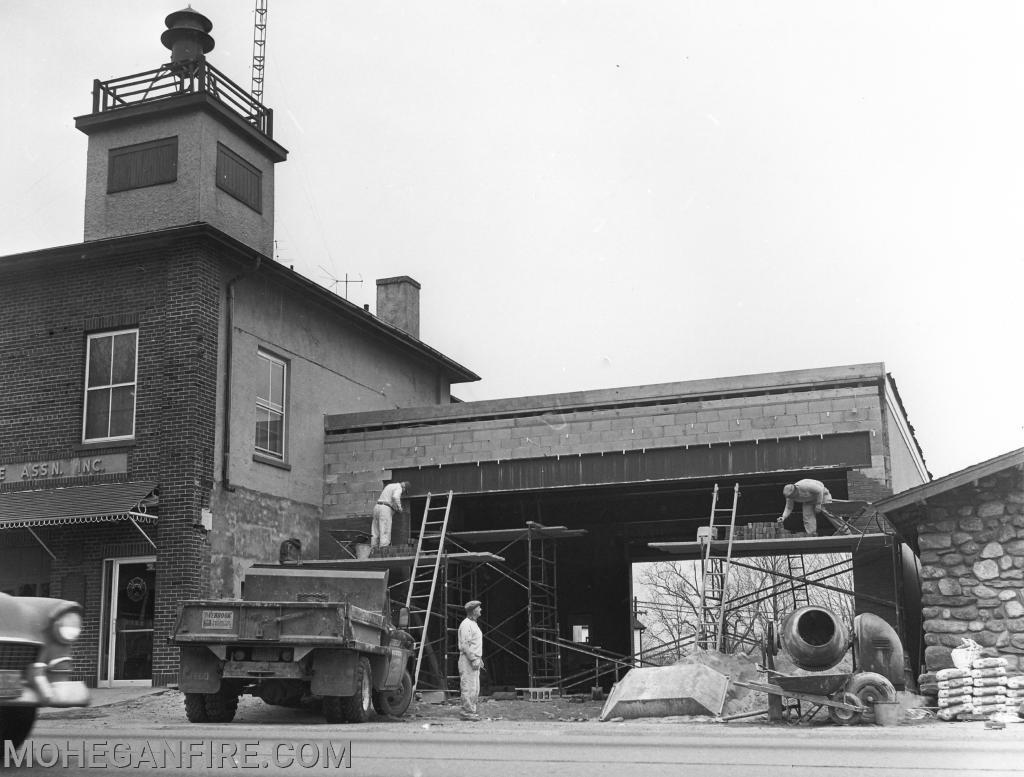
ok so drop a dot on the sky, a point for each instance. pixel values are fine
(606, 193)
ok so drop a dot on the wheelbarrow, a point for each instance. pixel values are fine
(808, 694)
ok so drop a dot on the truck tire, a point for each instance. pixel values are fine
(332, 709)
(16, 723)
(195, 707)
(221, 706)
(354, 708)
(394, 702)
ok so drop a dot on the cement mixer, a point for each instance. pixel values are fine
(816, 640)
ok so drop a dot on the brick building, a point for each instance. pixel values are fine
(165, 381)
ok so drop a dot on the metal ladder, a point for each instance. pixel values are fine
(798, 587)
(423, 578)
(715, 572)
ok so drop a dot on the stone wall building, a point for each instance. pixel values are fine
(969, 530)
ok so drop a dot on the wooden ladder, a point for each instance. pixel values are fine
(715, 571)
(425, 566)
(798, 587)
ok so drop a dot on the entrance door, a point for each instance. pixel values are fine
(126, 655)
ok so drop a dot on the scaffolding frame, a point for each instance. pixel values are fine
(537, 647)
(796, 582)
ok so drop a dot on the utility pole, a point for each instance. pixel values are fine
(639, 628)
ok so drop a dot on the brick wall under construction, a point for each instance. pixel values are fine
(362, 452)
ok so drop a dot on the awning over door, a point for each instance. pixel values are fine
(79, 504)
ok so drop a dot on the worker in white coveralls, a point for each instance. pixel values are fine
(471, 648)
(812, 496)
(388, 503)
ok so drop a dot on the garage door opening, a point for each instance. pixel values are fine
(760, 591)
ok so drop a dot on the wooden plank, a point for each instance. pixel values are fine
(837, 543)
(396, 562)
(509, 535)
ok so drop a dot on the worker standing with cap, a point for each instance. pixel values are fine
(471, 648)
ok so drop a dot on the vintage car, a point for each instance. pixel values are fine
(36, 635)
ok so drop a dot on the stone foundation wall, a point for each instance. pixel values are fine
(972, 556)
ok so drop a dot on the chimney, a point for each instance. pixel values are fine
(398, 303)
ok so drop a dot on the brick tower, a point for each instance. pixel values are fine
(179, 145)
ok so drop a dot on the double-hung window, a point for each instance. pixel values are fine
(110, 379)
(271, 406)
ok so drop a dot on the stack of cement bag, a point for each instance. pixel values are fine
(956, 693)
(989, 675)
(1015, 695)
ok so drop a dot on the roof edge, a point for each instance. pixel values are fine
(925, 491)
(90, 123)
(652, 394)
(94, 249)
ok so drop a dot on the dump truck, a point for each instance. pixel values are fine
(298, 636)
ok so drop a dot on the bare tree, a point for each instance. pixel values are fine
(759, 591)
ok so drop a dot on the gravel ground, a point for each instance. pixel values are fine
(566, 715)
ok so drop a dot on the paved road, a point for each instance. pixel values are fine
(534, 749)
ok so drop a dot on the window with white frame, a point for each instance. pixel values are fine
(111, 368)
(271, 405)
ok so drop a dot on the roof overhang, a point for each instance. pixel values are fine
(94, 503)
(42, 261)
(919, 495)
(557, 405)
(177, 105)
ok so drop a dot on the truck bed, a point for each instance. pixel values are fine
(335, 624)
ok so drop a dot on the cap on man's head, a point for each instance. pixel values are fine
(470, 606)
(787, 491)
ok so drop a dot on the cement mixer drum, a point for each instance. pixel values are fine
(814, 638)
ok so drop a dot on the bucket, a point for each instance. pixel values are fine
(887, 713)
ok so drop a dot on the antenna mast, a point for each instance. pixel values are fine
(259, 47)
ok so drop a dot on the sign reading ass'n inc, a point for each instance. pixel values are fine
(51, 469)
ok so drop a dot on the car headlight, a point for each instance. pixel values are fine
(67, 626)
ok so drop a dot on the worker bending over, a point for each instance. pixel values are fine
(812, 496)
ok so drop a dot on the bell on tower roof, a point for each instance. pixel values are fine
(187, 35)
